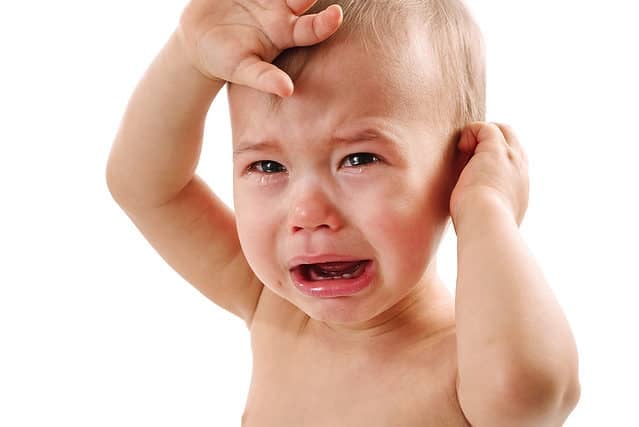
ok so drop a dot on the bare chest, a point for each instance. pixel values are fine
(368, 403)
(307, 388)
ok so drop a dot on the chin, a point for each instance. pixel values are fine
(343, 311)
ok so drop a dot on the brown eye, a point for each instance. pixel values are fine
(359, 159)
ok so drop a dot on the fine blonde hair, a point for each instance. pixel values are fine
(449, 26)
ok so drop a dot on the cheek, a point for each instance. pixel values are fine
(404, 225)
(257, 233)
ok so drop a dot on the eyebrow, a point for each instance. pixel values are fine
(366, 134)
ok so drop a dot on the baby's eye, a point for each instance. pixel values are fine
(267, 166)
(359, 159)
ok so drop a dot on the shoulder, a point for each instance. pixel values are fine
(274, 311)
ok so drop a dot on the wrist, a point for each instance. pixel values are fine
(178, 49)
(477, 210)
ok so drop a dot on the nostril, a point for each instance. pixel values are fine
(297, 228)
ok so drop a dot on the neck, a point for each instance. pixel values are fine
(425, 311)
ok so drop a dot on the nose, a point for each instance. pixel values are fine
(311, 209)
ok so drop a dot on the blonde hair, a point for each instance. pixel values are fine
(453, 33)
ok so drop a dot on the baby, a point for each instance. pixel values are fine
(357, 135)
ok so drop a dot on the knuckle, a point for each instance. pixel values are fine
(505, 129)
(495, 129)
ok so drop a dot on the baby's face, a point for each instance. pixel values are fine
(347, 167)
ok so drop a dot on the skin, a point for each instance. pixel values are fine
(490, 358)
(393, 210)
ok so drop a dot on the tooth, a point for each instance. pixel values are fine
(347, 275)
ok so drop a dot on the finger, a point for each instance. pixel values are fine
(511, 139)
(509, 133)
(300, 6)
(264, 76)
(312, 29)
(479, 132)
(467, 140)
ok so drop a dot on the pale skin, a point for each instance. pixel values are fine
(404, 352)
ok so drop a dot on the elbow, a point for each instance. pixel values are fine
(533, 386)
(118, 185)
(544, 399)
(111, 178)
(519, 399)
(110, 184)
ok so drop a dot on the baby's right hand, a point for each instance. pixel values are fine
(236, 40)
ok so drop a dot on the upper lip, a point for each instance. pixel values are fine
(316, 259)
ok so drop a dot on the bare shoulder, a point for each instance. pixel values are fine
(275, 318)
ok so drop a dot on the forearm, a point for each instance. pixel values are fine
(157, 147)
(511, 331)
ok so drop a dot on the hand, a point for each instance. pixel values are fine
(236, 40)
(497, 171)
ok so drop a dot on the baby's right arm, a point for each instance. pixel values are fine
(151, 167)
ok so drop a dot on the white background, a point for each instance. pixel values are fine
(96, 330)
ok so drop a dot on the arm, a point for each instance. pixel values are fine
(150, 174)
(517, 357)
(150, 171)
(157, 147)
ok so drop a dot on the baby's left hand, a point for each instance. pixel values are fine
(496, 172)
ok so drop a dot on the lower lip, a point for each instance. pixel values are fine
(334, 287)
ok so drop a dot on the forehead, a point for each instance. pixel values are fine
(343, 82)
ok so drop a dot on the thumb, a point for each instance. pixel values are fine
(312, 29)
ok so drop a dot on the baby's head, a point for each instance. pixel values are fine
(359, 163)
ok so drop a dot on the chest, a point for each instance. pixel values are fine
(308, 389)
(370, 404)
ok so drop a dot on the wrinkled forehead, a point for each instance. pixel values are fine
(343, 81)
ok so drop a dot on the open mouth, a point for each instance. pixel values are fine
(333, 279)
(332, 270)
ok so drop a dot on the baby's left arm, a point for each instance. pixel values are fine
(517, 358)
